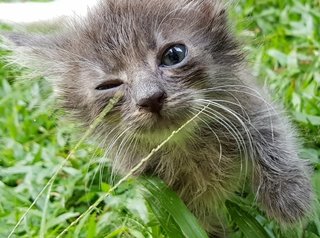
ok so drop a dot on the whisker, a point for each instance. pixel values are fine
(235, 133)
(91, 162)
(102, 143)
(222, 120)
(215, 134)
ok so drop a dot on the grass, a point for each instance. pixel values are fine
(283, 43)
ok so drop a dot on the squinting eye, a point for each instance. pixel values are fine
(174, 55)
(109, 85)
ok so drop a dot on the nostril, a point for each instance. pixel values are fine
(153, 102)
(162, 97)
(159, 97)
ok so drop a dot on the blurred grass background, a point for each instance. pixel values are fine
(282, 39)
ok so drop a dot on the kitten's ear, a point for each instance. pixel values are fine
(17, 39)
(214, 9)
(34, 51)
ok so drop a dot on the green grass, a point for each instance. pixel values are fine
(283, 43)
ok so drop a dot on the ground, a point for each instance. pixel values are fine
(282, 39)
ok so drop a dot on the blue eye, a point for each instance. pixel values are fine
(174, 55)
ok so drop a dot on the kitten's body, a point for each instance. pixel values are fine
(241, 135)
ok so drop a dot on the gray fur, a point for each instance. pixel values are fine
(242, 134)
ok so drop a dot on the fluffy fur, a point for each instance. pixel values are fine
(241, 135)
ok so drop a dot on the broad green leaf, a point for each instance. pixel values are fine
(166, 221)
(117, 232)
(168, 207)
(92, 226)
(314, 120)
(249, 226)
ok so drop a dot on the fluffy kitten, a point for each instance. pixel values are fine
(170, 58)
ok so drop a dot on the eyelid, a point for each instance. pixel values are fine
(109, 84)
(166, 46)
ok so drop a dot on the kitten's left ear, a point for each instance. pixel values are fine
(39, 52)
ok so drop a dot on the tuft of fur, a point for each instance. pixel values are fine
(241, 135)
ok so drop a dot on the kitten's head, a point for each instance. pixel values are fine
(164, 56)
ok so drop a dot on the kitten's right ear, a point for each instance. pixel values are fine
(214, 9)
(38, 52)
(19, 40)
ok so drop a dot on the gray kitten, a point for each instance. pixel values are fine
(171, 58)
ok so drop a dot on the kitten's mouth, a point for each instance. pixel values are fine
(159, 128)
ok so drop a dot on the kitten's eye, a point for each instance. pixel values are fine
(174, 55)
(109, 85)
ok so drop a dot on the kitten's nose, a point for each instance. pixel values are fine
(153, 102)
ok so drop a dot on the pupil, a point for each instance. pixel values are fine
(174, 55)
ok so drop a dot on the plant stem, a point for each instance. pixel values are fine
(131, 172)
(96, 122)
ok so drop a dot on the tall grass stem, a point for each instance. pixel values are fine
(131, 172)
(95, 123)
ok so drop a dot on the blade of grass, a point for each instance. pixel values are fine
(117, 232)
(166, 221)
(249, 226)
(96, 122)
(131, 172)
(43, 225)
(170, 208)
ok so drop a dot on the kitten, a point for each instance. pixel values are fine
(171, 59)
